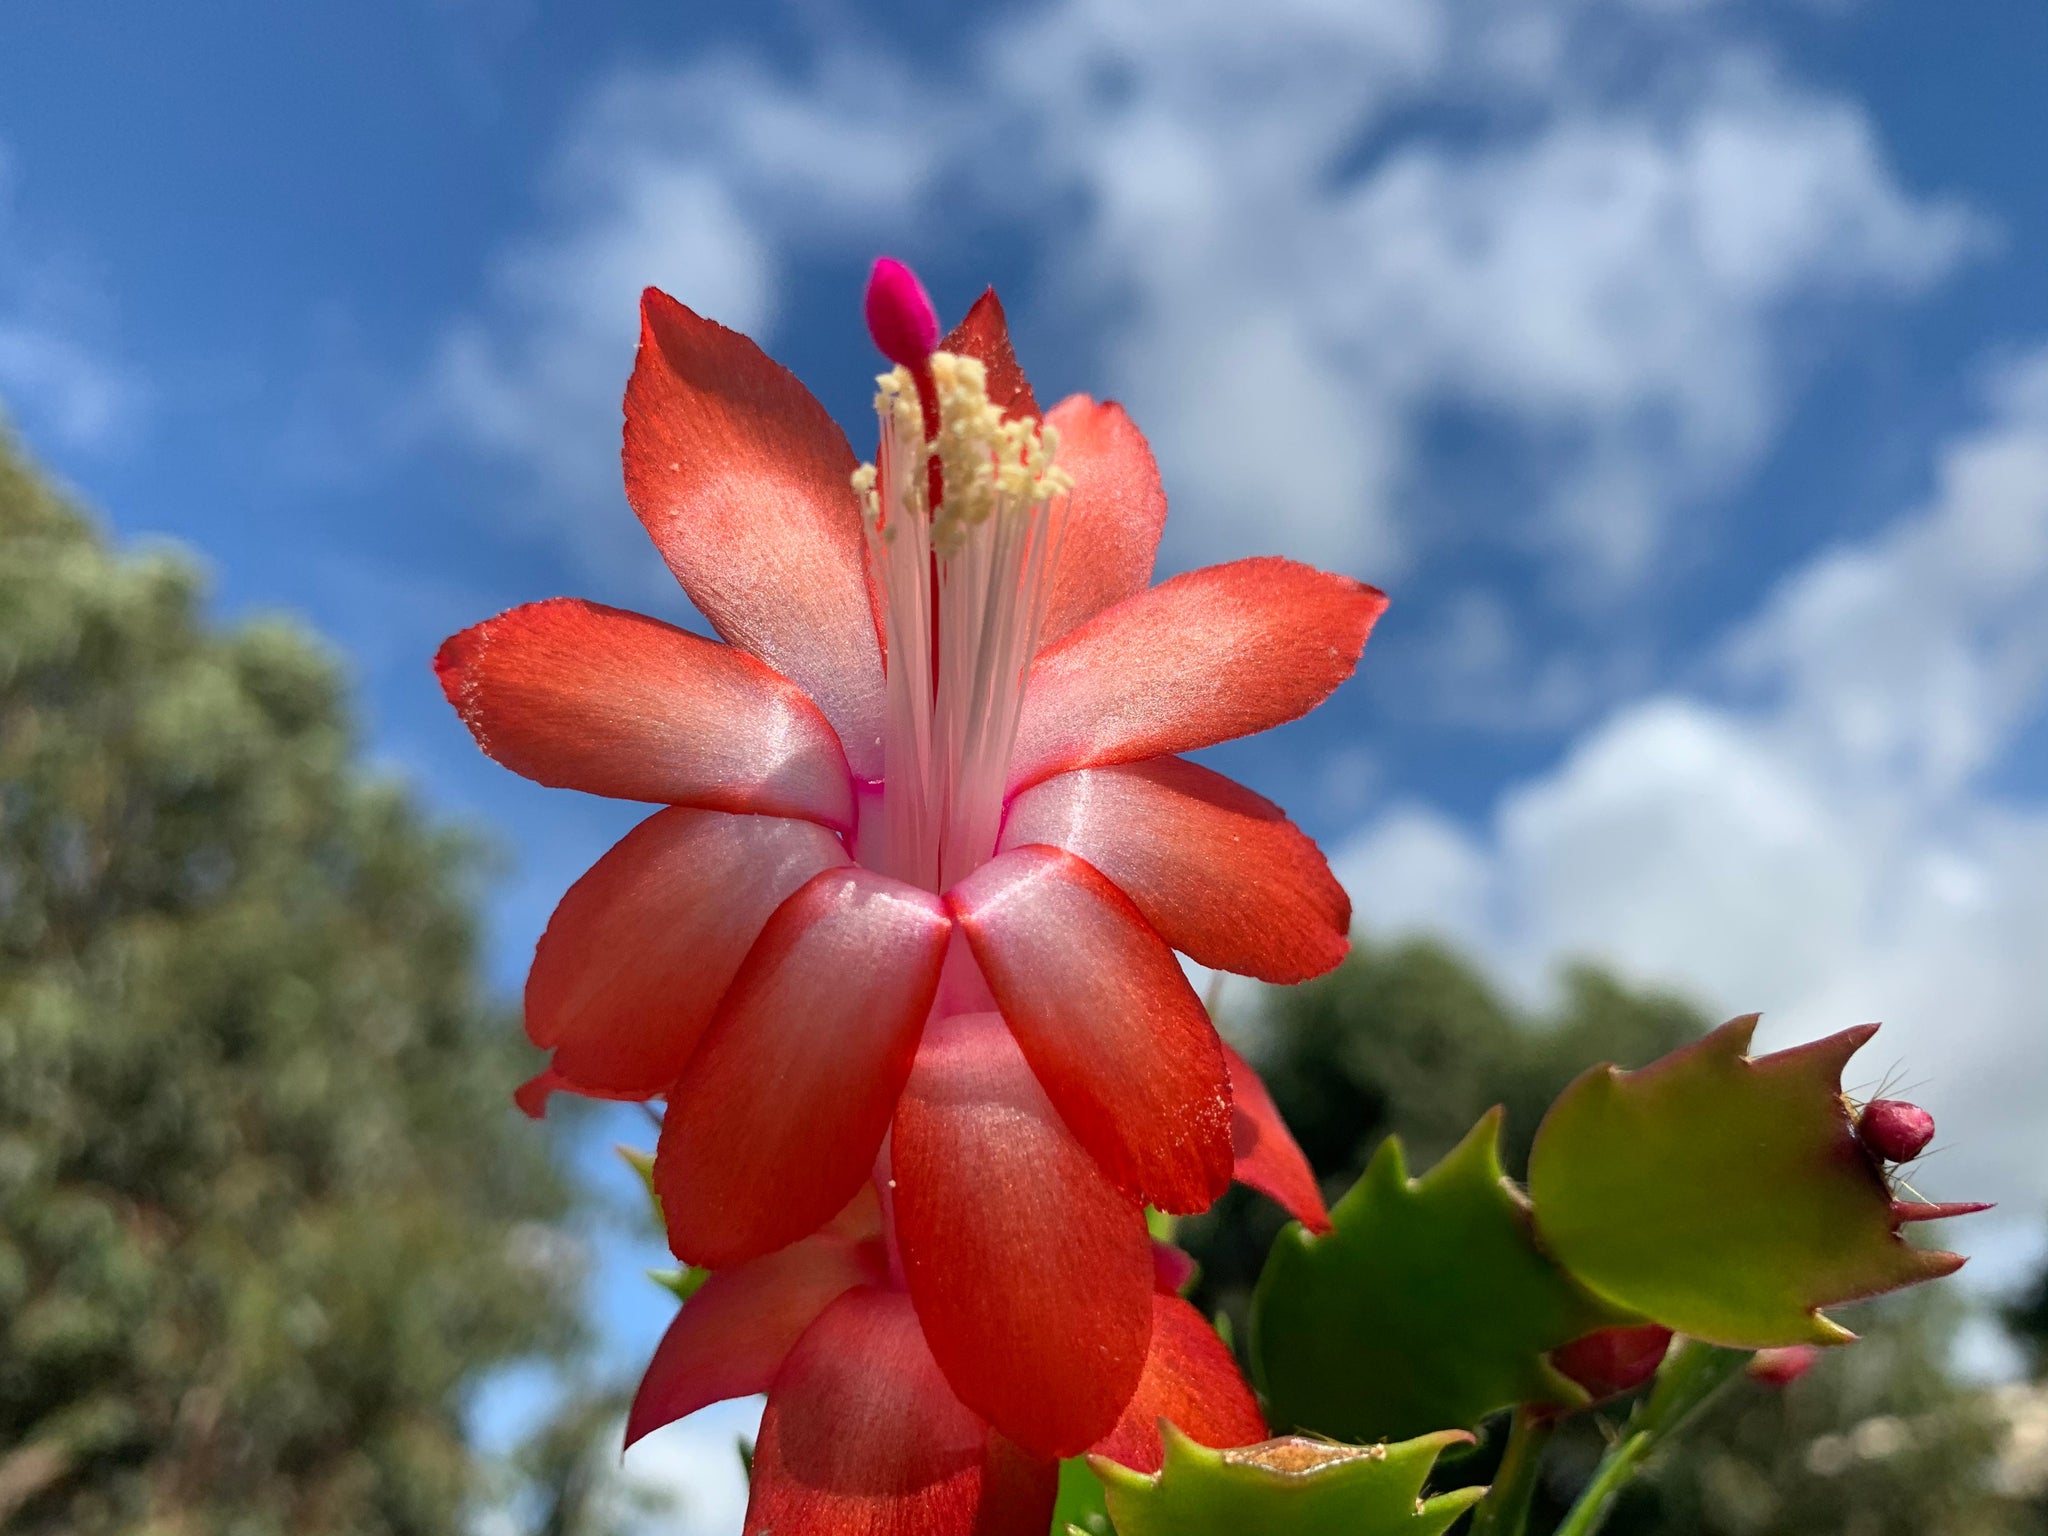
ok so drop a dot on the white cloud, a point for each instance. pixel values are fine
(705, 181)
(1292, 235)
(55, 375)
(1825, 839)
(1605, 271)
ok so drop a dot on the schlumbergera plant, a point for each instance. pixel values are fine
(898, 956)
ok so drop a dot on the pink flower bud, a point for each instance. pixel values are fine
(900, 316)
(1614, 1360)
(1172, 1270)
(1894, 1130)
(1782, 1367)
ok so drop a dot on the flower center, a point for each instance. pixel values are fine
(964, 515)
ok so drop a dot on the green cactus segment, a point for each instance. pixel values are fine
(1286, 1487)
(1428, 1306)
(1721, 1195)
(1081, 1510)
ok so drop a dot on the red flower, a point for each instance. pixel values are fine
(863, 1435)
(911, 909)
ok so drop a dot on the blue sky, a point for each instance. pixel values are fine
(1680, 368)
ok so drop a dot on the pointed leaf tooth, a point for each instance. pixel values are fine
(1826, 1057)
(1286, 1487)
(1429, 1303)
(1904, 1211)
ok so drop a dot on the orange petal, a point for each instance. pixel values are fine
(581, 696)
(985, 336)
(641, 949)
(1032, 1275)
(1190, 1381)
(1268, 1157)
(1219, 871)
(743, 482)
(776, 1120)
(1113, 518)
(863, 1438)
(1108, 1021)
(733, 1335)
(1217, 653)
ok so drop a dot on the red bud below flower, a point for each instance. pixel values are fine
(1614, 1360)
(1172, 1270)
(1782, 1367)
(1894, 1130)
(900, 316)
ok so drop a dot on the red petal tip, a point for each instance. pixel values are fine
(899, 312)
(532, 1095)
(1783, 1366)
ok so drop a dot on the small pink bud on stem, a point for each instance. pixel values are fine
(1172, 1270)
(1894, 1130)
(900, 316)
(1614, 1360)
(1782, 1367)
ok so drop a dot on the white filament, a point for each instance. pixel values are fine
(955, 688)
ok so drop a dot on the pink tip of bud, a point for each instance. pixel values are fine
(1614, 1360)
(1172, 1270)
(900, 316)
(1782, 1367)
(1894, 1130)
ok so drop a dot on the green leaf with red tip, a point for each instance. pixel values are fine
(1723, 1195)
(1290, 1487)
(1428, 1306)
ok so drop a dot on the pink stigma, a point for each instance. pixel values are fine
(900, 316)
(1894, 1130)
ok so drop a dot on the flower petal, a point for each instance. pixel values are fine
(580, 696)
(1107, 1020)
(733, 1335)
(1268, 1157)
(1210, 655)
(777, 1118)
(532, 1096)
(743, 482)
(1219, 871)
(1113, 518)
(1032, 1274)
(1192, 1382)
(642, 948)
(863, 1437)
(985, 336)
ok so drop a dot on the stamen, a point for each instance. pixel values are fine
(962, 580)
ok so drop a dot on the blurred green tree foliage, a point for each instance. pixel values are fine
(265, 1213)
(1408, 1038)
